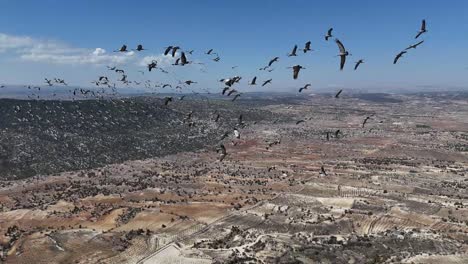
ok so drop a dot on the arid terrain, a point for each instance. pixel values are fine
(291, 189)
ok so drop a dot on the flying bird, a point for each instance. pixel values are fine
(398, 56)
(296, 70)
(183, 59)
(223, 154)
(167, 100)
(365, 121)
(122, 49)
(414, 46)
(189, 82)
(209, 51)
(253, 81)
(307, 47)
(337, 95)
(139, 48)
(293, 52)
(329, 34)
(305, 87)
(235, 97)
(225, 89)
(300, 121)
(275, 59)
(422, 30)
(322, 171)
(343, 53)
(236, 133)
(267, 82)
(152, 65)
(231, 92)
(358, 63)
(337, 133)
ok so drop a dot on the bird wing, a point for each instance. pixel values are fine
(340, 46)
(330, 31)
(294, 49)
(423, 25)
(167, 50)
(342, 62)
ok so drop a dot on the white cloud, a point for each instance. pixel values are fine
(51, 51)
(163, 60)
(99, 51)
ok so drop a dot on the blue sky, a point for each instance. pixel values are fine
(55, 38)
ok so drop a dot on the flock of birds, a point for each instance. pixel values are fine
(181, 57)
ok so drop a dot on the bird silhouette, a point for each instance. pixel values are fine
(398, 56)
(414, 46)
(275, 59)
(422, 30)
(307, 47)
(343, 53)
(359, 62)
(293, 52)
(122, 49)
(253, 81)
(304, 88)
(296, 70)
(337, 95)
(329, 34)
(267, 82)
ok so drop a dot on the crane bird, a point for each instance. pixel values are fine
(296, 70)
(236, 133)
(322, 171)
(49, 82)
(337, 133)
(337, 95)
(231, 92)
(329, 34)
(365, 121)
(299, 121)
(275, 59)
(343, 53)
(267, 82)
(253, 81)
(307, 47)
(183, 59)
(122, 49)
(235, 97)
(398, 56)
(189, 82)
(293, 52)
(225, 90)
(152, 65)
(414, 46)
(359, 62)
(223, 154)
(167, 100)
(422, 30)
(305, 87)
(209, 52)
(139, 48)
